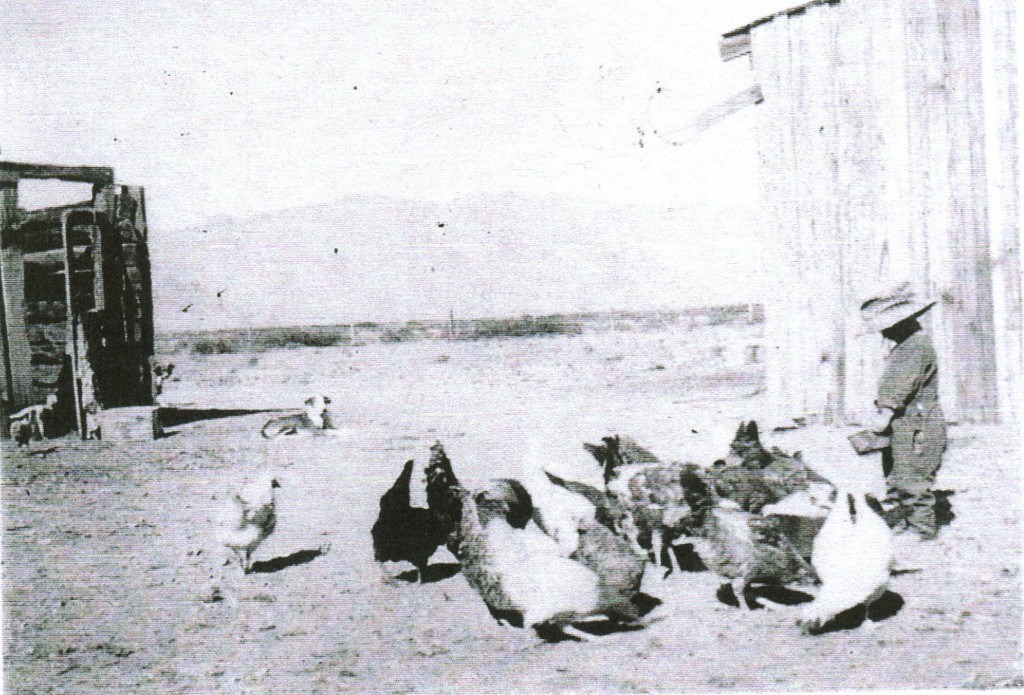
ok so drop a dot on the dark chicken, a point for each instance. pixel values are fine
(403, 532)
(753, 476)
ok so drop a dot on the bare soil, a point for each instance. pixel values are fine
(110, 552)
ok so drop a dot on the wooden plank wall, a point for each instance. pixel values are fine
(999, 21)
(873, 172)
(871, 152)
(949, 192)
(769, 59)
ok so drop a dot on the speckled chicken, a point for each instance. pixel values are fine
(650, 492)
(753, 477)
(741, 546)
(608, 511)
(619, 566)
(616, 452)
(581, 536)
(403, 533)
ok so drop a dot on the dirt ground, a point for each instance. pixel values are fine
(110, 552)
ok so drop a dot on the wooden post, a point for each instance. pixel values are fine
(74, 328)
(766, 50)
(17, 353)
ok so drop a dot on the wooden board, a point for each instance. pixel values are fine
(12, 171)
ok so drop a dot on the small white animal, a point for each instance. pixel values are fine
(27, 423)
(311, 418)
(249, 517)
(852, 555)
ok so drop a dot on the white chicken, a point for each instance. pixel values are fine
(852, 555)
(249, 517)
(521, 571)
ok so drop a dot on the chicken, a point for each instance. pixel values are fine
(753, 477)
(444, 496)
(617, 564)
(748, 549)
(403, 532)
(650, 492)
(746, 448)
(571, 520)
(521, 575)
(608, 511)
(249, 517)
(661, 500)
(510, 499)
(617, 452)
(852, 554)
(741, 546)
(505, 496)
(801, 515)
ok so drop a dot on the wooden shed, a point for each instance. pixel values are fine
(871, 136)
(77, 310)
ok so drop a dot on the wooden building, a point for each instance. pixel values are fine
(77, 310)
(871, 134)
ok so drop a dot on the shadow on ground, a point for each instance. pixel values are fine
(770, 592)
(883, 608)
(431, 573)
(277, 564)
(173, 417)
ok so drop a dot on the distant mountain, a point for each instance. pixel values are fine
(384, 259)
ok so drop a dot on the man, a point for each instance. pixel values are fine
(908, 410)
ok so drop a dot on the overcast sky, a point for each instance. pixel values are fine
(244, 107)
(258, 105)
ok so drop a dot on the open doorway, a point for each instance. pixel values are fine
(36, 194)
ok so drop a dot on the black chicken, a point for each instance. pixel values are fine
(403, 532)
(444, 497)
(616, 452)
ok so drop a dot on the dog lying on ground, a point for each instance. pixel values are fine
(27, 424)
(311, 418)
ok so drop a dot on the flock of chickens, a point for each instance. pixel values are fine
(555, 554)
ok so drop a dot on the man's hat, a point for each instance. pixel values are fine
(891, 306)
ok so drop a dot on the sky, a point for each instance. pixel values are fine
(240, 109)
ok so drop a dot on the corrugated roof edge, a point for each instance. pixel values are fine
(799, 9)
